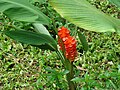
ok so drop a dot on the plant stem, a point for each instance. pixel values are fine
(70, 75)
(68, 66)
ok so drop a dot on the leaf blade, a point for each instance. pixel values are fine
(40, 28)
(83, 41)
(31, 38)
(84, 15)
(23, 9)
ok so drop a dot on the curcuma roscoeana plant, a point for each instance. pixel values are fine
(79, 12)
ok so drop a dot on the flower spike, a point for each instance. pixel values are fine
(67, 44)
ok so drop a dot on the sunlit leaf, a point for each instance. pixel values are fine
(40, 28)
(84, 15)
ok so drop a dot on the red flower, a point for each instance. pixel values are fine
(67, 43)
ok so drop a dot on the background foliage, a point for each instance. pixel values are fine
(25, 67)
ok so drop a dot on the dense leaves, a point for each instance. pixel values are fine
(116, 2)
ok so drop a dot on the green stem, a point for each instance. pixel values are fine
(68, 66)
(70, 75)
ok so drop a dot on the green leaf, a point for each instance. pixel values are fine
(22, 10)
(41, 29)
(45, 47)
(77, 79)
(83, 41)
(115, 2)
(40, 1)
(65, 72)
(31, 38)
(84, 15)
(50, 70)
(118, 68)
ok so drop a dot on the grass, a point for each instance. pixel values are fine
(23, 67)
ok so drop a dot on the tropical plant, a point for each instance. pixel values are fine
(79, 12)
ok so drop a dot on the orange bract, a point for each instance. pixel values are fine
(67, 43)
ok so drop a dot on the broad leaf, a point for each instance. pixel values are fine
(116, 2)
(40, 28)
(22, 10)
(45, 47)
(31, 38)
(83, 41)
(77, 79)
(84, 15)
